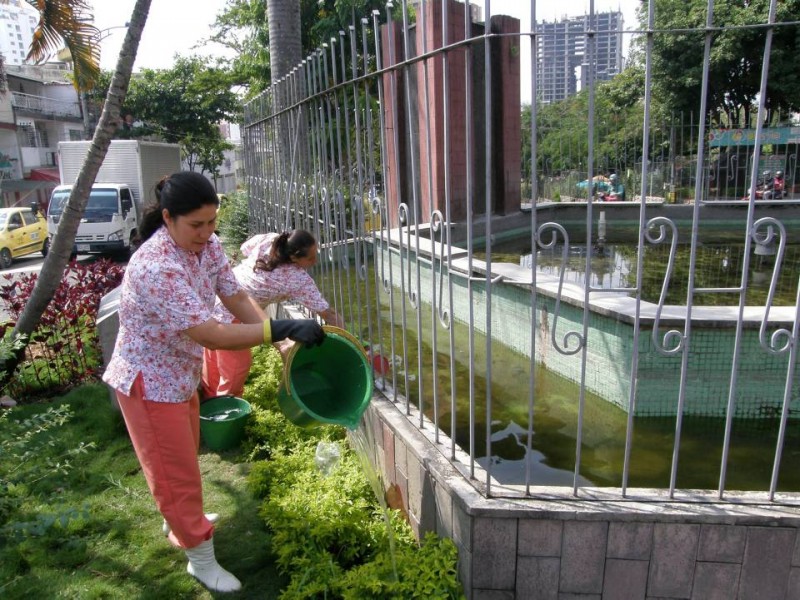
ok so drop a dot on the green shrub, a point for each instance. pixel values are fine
(266, 375)
(232, 221)
(333, 539)
(428, 571)
(330, 535)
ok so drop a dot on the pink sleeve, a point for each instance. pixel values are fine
(258, 245)
(305, 291)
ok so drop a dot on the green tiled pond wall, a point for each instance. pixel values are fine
(761, 376)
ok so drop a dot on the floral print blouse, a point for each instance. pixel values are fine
(284, 283)
(166, 290)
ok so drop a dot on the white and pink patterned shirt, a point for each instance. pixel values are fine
(165, 291)
(286, 282)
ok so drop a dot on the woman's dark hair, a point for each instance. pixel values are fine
(180, 193)
(288, 245)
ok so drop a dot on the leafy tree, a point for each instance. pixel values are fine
(207, 153)
(191, 98)
(244, 27)
(735, 61)
(61, 248)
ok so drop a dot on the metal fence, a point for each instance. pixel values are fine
(399, 145)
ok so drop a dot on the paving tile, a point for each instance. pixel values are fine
(630, 540)
(492, 595)
(465, 570)
(583, 557)
(793, 589)
(722, 543)
(672, 562)
(715, 581)
(767, 562)
(444, 511)
(537, 577)
(400, 460)
(494, 554)
(625, 579)
(388, 451)
(540, 537)
(796, 555)
(462, 527)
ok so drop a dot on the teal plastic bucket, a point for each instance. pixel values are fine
(222, 421)
(329, 383)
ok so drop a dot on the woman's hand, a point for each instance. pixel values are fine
(305, 331)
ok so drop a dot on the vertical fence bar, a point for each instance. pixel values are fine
(634, 378)
(698, 191)
(447, 314)
(488, 97)
(534, 238)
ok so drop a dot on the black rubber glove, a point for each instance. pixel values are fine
(305, 331)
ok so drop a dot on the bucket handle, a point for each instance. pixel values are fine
(327, 329)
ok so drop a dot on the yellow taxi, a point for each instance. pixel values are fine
(22, 232)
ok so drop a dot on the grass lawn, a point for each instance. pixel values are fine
(116, 549)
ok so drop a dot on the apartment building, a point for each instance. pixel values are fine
(562, 65)
(18, 21)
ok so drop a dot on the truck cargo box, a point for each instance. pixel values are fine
(136, 163)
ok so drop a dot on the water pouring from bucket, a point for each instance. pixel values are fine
(329, 383)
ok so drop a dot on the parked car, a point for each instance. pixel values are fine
(22, 232)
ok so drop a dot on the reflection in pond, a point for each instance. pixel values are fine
(717, 266)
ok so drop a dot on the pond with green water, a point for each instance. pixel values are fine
(555, 406)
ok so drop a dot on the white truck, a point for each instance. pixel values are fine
(124, 185)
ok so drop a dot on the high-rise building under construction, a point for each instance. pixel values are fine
(562, 65)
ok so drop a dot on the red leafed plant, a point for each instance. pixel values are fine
(64, 349)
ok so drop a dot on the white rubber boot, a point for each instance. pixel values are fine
(204, 566)
(213, 517)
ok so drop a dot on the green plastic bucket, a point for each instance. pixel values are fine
(329, 383)
(222, 421)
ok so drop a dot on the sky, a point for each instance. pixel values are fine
(176, 26)
(173, 27)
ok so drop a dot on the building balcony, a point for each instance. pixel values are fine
(41, 107)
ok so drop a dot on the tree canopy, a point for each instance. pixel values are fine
(184, 104)
(735, 62)
(243, 26)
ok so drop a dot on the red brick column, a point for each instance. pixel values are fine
(396, 186)
(456, 119)
(507, 166)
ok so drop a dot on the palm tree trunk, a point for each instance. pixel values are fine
(57, 258)
(285, 53)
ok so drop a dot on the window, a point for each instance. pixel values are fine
(31, 137)
(14, 221)
(75, 135)
(127, 203)
(28, 217)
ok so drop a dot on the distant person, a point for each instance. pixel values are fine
(616, 191)
(273, 271)
(774, 186)
(165, 321)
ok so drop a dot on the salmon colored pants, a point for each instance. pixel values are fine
(225, 371)
(166, 437)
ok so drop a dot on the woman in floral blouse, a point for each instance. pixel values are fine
(165, 321)
(273, 270)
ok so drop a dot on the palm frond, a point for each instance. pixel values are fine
(68, 22)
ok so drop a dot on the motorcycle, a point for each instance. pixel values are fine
(769, 190)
